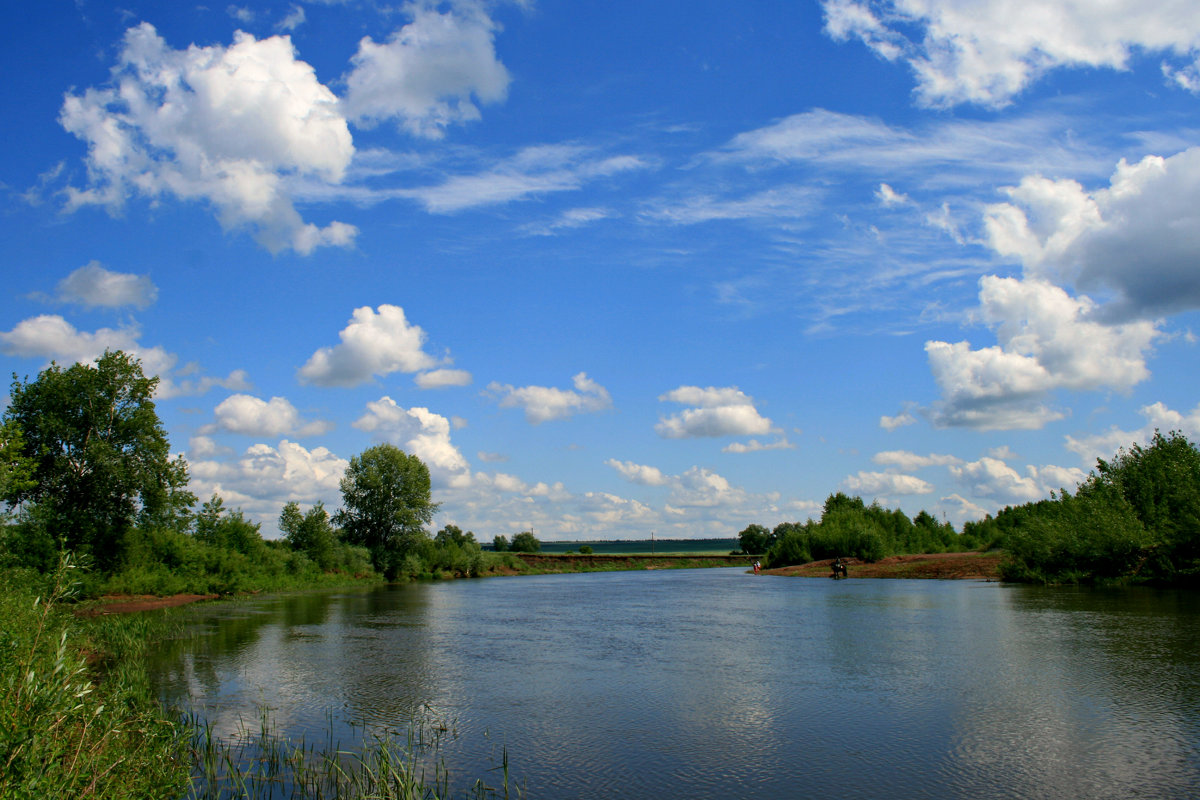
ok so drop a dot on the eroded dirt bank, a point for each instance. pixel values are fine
(945, 566)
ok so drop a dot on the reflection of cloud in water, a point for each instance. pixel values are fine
(1090, 699)
(648, 685)
(301, 657)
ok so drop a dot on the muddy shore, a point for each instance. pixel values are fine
(937, 566)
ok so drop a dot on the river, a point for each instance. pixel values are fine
(715, 683)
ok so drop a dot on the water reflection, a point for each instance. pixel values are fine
(713, 683)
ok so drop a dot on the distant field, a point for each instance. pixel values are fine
(659, 546)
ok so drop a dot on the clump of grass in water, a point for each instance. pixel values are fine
(262, 765)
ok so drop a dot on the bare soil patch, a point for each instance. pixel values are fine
(941, 566)
(127, 604)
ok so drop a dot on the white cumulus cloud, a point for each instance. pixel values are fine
(1138, 237)
(717, 411)
(253, 416)
(545, 403)
(93, 286)
(1047, 340)
(263, 478)
(1158, 417)
(987, 51)
(992, 478)
(420, 432)
(886, 483)
(227, 125)
(442, 378)
(374, 343)
(426, 74)
(906, 461)
(639, 473)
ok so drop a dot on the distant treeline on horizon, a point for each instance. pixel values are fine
(608, 546)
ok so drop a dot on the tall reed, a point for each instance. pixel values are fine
(60, 734)
(260, 764)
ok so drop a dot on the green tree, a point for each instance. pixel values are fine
(500, 543)
(452, 534)
(311, 533)
(16, 469)
(754, 539)
(100, 457)
(388, 503)
(1161, 483)
(226, 529)
(525, 542)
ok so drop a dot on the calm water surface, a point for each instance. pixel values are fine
(718, 684)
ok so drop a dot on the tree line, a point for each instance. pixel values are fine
(849, 528)
(85, 468)
(1136, 518)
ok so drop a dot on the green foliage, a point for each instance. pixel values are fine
(161, 561)
(461, 559)
(99, 455)
(27, 542)
(851, 529)
(16, 468)
(62, 733)
(754, 539)
(791, 546)
(500, 543)
(387, 504)
(452, 534)
(1091, 536)
(310, 533)
(1162, 485)
(525, 542)
(585, 550)
(226, 529)
(1135, 517)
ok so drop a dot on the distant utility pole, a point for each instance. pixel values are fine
(651, 542)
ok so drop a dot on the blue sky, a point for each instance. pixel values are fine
(614, 269)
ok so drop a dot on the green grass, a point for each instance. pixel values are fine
(76, 716)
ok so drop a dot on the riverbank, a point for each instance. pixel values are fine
(937, 566)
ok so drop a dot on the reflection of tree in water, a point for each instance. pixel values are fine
(387, 667)
(188, 670)
(1137, 643)
(185, 669)
(362, 655)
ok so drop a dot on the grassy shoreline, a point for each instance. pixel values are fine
(78, 719)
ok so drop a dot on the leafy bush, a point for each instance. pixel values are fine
(525, 542)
